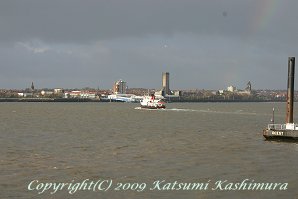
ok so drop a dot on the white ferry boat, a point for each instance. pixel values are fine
(151, 102)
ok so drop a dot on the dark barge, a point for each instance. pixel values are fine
(289, 130)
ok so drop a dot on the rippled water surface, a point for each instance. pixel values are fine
(187, 142)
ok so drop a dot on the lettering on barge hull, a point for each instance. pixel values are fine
(277, 133)
(280, 134)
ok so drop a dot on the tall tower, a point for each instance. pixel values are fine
(119, 87)
(248, 87)
(166, 83)
(32, 86)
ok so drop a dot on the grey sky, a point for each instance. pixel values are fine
(208, 44)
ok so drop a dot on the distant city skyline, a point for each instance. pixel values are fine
(202, 44)
(241, 87)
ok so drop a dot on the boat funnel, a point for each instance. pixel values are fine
(290, 89)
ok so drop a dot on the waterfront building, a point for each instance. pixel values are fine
(80, 94)
(119, 87)
(231, 89)
(25, 94)
(58, 90)
(46, 93)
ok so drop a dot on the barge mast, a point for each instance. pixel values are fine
(289, 130)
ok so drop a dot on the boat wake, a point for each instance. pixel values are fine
(181, 109)
(166, 109)
(150, 109)
(237, 112)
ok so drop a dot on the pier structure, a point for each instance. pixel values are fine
(289, 130)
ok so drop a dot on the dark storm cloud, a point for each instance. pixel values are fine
(202, 43)
(91, 20)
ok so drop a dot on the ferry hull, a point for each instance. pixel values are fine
(153, 107)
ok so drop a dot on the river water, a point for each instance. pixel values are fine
(120, 143)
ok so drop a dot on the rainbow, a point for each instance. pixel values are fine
(264, 12)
